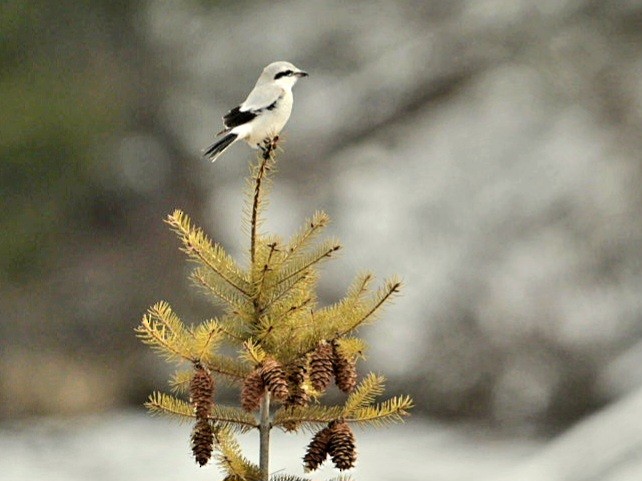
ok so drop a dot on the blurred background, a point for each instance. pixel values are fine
(488, 151)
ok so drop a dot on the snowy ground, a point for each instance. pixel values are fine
(132, 445)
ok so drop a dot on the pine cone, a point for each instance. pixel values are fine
(201, 390)
(252, 391)
(317, 450)
(342, 446)
(296, 373)
(345, 370)
(202, 441)
(321, 369)
(298, 397)
(274, 379)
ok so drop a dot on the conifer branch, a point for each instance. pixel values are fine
(352, 302)
(179, 382)
(293, 309)
(263, 328)
(281, 292)
(364, 394)
(233, 418)
(326, 324)
(280, 323)
(200, 248)
(208, 281)
(207, 337)
(158, 403)
(236, 336)
(391, 288)
(325, 251)
(352, 347)
(233, 369)
(330, 322)
(336, 315)
(310, 231)
(310, 417)
(230, 458)
(163, 330)
(253, 353)
(391, 411)
(359, 287)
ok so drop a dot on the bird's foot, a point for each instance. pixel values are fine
(268, 145)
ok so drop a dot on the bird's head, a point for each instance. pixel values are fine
(283, 74)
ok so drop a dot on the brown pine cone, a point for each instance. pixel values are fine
(345, 370)
(342, 446)
(317, 450)
(296, 373)
(321, 368)
(202, 441)
(252, 391)
(274, 379)
(297, 398)
(201, 390)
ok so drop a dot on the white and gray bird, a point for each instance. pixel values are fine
(264, 112)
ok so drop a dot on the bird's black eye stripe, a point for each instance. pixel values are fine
(286, 73)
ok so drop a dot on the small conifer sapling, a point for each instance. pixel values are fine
(290, 350)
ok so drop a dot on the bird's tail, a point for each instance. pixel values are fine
(218, 147)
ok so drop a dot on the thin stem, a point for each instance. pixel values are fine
(266, 268)
(260, 175)
(264, 437)
(264, 423)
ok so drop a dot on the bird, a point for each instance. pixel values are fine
(264, 112)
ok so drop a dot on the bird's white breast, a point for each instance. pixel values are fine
(270, 122)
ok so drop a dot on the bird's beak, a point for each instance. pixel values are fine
(301, 73)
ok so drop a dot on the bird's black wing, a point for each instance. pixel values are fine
(236, 117)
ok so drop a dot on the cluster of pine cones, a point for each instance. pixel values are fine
(336, 440)
(325, 364)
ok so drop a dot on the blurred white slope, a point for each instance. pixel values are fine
(607, 446)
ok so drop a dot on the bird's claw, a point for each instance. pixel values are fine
(269, 144)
